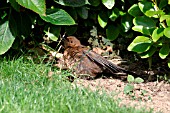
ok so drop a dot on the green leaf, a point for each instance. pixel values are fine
(15, 5)
(141, 29)
(52, 31)
(94, 2)
(6, 37)
(148, 53)
(102, 19)
(14, 25)
(144, 21)
(131, 1)
(130, 79)
(22, 23)
(58, 17)
(164, 51)
(72, 3)
(70, 30)
(121, 13)
(157, 33)
(134, 10)
(146, 6)
(108, 3)
(37, 6)
(148, 9)
(114, 15)
(169, 63)
(128, 88)
(126, 22)
(140, 44)
(168, 22)
(127, 35)
(72, 12)
(83, 12)
(51, 36)
(112, 32)
(155, 13)
(163, 3)
(167, 32)
(164, 17)
(139, 80)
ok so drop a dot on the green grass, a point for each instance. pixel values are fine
(25, 88)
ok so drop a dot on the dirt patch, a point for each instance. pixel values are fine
(151, 95)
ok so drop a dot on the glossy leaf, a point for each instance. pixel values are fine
(140, 44)
(112, 32)
(15, 5)
(155, 13)
(148, 53)
(94, 2)
(72, 3)
(157, 33)
(134, 10)
(168, 22)
(167, 32)
(164, 17)
(169, 63)
(6, 37)
(141, 29)
(146, 6)
(37, 6)
(114, 15)
(58, 17)
(108, 3)
(164, 51)
(126, 22)
(102, 19)
(144, 21)
(148, 9)
(83, 12)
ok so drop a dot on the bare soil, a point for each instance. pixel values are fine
(156, 95)
(151, 94)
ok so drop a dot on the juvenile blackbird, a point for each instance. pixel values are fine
(82, 60)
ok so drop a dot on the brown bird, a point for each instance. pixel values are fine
(84, 61)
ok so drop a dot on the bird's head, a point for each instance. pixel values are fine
(71, 41)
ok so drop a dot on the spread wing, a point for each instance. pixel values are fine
(102, 61)
(106, 64)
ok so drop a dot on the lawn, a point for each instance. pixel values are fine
(26, 88)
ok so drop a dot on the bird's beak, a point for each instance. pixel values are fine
(64, 40)
(64, 36)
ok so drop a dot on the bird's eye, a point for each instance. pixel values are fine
(71, 41)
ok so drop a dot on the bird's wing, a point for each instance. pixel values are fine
(102, 61)
(107, 64)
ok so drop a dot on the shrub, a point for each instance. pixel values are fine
(21, 19)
